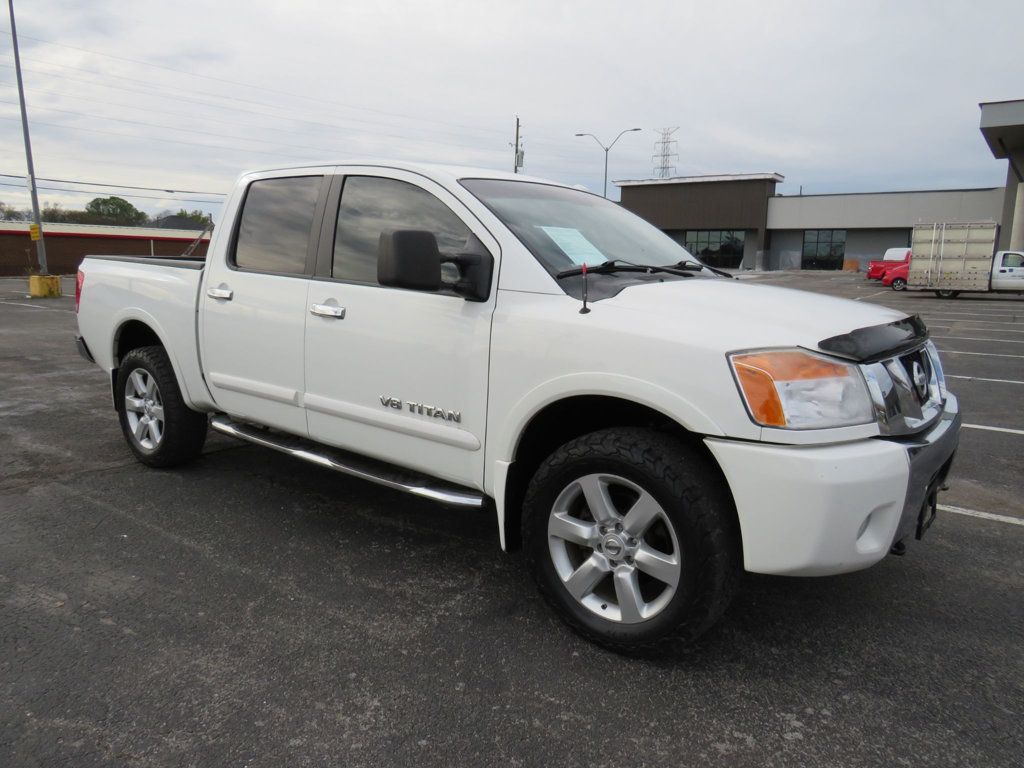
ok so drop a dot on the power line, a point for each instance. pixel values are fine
(274, 91)
(134, 197)
(192, 92)
(333, 126)
(116, 186)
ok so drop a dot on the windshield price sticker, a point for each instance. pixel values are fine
(575, 246)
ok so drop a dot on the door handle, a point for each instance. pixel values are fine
(220, 293)
(1002, 270)
(327, 310)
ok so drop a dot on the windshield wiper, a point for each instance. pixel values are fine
(695, 266)
(618, 265)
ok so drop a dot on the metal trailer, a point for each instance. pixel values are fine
(948, 258)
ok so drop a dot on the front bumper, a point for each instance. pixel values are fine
(821, 510)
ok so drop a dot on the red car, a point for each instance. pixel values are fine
(891, 258)
(897, 276)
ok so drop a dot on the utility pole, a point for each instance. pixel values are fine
(40, 244)
(663, 167)
(517, 161)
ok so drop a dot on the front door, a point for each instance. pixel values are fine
(397, 374)
(253, 304)
(1008, 271)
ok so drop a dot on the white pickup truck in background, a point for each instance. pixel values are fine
(643, 426)
(951, 259)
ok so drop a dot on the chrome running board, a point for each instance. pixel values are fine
(350, 464)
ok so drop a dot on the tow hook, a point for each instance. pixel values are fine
(899, 549)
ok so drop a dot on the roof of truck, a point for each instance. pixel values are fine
(431, 170)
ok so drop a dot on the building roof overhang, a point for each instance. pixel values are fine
(1002, 125)
(719, 177)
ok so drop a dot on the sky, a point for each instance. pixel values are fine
(836, 96)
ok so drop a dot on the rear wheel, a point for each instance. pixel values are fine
(947, 294)
(631, 538)
(159, 428)
(899, 284)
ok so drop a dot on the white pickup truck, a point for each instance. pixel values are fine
(951, 259)
(644, 427)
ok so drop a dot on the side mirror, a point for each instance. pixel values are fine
(476, 268)
(408, 258)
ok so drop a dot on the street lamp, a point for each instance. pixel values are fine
(606, 149)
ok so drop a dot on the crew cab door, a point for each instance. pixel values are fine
(1008, 271)
(399, 375)
(253, 303)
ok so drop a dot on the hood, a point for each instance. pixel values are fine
(733, 314)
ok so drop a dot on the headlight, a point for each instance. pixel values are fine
(794, 389)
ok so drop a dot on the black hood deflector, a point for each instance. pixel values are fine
(876, 342)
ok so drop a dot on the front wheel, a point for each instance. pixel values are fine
(159, 428)
(947, 294)
(899, 284)
(631, 538)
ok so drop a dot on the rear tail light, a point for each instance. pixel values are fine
(79, 284)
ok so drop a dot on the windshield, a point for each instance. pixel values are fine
(566, 228)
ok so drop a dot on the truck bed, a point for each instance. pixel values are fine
(159, 292)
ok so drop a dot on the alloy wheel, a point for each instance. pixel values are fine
(144, 409)
(614, 548)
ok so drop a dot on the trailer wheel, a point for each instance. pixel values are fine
(947, 294)
(899, 284)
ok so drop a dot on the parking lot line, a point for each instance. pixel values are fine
(980, 354)
(982, 515)
(876, 293)
(33, 306)
(979, 378)
(975, 338)
(994, 429)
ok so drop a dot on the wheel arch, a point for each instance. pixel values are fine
(565, 419)
(133, 331)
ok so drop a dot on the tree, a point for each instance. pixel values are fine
(198, 216)
(113, 210)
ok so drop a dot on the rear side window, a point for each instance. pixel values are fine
(277, 217)
(371, 205)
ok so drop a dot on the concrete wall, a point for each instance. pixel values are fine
(64, 252)
(867, 244)
(786, 249)
(885, 210)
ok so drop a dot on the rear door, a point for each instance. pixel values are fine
(397, 374)
(1008, 271)
(253, 306)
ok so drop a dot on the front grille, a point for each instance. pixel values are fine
(905, 392)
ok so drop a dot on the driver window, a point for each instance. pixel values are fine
(1013, 259)
(371, 205)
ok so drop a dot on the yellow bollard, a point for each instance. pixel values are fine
(44, 286)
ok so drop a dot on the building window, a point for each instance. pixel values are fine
(824, 249)
(717, 247)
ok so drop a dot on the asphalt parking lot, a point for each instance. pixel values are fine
(251, 610)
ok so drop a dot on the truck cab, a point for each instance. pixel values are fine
(642, 426)
(892, 257)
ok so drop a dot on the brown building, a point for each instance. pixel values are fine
(722, 219)
(68, 244)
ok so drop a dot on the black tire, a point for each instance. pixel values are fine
(947, 294)
(899, 284)
(695, 501)
(183, 430)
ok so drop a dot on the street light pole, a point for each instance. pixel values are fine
(606, 151)
(40, 244)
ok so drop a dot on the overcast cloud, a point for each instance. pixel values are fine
(852, 96)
